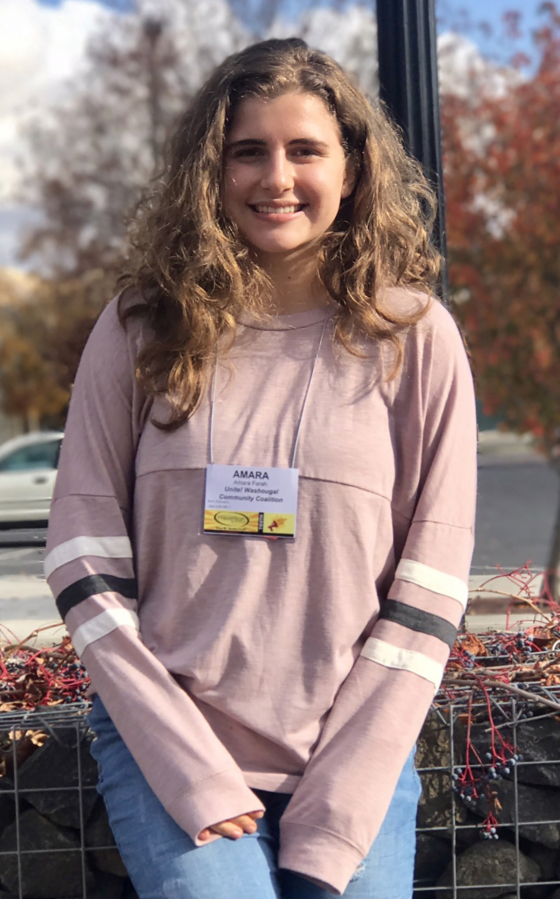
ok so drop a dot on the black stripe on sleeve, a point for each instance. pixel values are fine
(94, 583)
(417, 620)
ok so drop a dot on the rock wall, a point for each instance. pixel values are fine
(50, 811)
(49, 804)
(521, 845)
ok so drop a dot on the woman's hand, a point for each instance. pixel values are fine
(234, 828)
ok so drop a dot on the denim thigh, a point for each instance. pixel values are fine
(387, 872)
(164, 863)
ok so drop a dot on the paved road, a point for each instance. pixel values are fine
(25, 599)
(517, 503)
(28, 536)
(22, 551)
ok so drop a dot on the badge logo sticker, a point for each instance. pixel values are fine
(232, 519)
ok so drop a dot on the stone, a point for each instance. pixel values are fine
(539, 741)
(7, 811)
(534, 804)
(436, 807)
(98, 834)
(546, 859)
(490, 864)
(45, 875)
(106, 887)
(436, 804)
(432, 857)
(469, 834)
(55, 764)
(433, 748)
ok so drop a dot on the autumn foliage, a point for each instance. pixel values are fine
(44, 330)
(502, 153)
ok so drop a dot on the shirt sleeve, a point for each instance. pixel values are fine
(90, 569)
(341, 801)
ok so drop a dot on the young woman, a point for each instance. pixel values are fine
(263, 519)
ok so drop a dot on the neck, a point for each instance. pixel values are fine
(295, 283)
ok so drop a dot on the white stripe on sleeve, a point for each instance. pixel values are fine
(101, 625)
(433, 579)
(103, 547)
(405, 659)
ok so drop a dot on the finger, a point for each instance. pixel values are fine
(227, 829)
(246, 822)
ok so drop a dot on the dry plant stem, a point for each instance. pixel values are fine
(15, 647)
(506, 724)
(517, 598)
(525, 694)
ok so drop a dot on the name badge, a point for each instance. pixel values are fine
(261, 502)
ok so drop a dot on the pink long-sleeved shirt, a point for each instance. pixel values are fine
(305, 666)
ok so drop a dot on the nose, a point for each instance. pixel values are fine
(278, 173)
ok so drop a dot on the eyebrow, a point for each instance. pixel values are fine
(300, 141)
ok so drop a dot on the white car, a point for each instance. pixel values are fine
(28, 468)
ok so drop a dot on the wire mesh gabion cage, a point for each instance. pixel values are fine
(489, 818)
(489, 758)
(488, 821)
(55, 839)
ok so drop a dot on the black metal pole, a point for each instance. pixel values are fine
(408, 78)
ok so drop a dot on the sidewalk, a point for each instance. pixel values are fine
(502, 447)
(489, 604)
(27, 604)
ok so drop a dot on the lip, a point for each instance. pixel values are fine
(277, 216)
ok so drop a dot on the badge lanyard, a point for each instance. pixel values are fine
(252, 499)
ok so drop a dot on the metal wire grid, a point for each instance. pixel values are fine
(70, 719)
(448, 713)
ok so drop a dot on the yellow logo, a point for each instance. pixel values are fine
(232, 519)
(277, 523)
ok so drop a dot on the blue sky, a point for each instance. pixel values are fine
(492, 12)
(478, 11)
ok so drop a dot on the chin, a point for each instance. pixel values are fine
(278, 249)
(282, 248)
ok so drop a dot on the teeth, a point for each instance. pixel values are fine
(278, 209)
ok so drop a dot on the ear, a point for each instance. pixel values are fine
(349, 178)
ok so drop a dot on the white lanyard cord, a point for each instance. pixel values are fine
(212, 402)
(303, 405)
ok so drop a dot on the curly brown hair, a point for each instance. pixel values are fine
(194, 271)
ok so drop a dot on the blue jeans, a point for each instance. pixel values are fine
(164, 863)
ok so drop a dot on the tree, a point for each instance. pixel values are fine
(502, 153)
(88, 159)
(91, 154)
(29, 386)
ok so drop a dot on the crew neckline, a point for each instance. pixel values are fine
(290, 322)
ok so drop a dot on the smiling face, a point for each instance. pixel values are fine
(285, 172)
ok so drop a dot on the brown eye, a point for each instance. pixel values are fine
(306, 151)
(246, 153)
